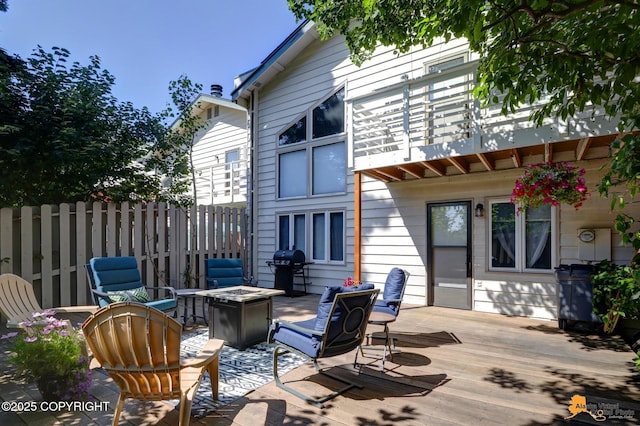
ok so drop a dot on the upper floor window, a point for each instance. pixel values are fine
(295, 133)
(328, 117)
(312, 161)
(522, 242)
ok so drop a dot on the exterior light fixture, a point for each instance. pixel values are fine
(479, 210)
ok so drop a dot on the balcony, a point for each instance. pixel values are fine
(223, 184)
(432, 126)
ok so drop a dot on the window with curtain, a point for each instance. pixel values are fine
(521, 242)
(314, 154)
(328, 236)
(292, 232)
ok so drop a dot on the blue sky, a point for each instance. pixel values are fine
(145, 44)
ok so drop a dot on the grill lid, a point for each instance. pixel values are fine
(291, 258)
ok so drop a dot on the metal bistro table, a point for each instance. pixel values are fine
(240, 315)
(187, 294)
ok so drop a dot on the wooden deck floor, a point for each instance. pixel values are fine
(456, 368)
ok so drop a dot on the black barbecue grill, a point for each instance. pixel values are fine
(288, 263)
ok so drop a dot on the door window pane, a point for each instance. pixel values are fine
(449, 225)
(292, 179)
(329, 169)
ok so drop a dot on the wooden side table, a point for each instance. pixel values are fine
(187, 294)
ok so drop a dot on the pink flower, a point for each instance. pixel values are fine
(551, 183)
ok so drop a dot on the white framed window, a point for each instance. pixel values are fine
(323, 230)
(292, 175)
(312, 159)
(523, 242)
(292, 231)
(328, 236)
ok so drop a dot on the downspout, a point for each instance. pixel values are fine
(252, 204)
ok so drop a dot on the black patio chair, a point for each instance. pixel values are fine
(338, 328)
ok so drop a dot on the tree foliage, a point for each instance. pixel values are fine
(180, 141)
(577, 54)
(184, 133)
(66, 138)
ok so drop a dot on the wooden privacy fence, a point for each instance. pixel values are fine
(49, 245)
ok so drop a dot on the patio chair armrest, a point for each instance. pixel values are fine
(106, 296)
(208, 353)
(77, 309)
(391, 300)
(277, 322)
(170, 289)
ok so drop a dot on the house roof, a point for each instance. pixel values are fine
(276, 61)
(203, 101)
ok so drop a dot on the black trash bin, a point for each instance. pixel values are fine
(287, 262)
(575, 297)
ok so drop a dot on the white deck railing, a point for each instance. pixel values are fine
(222, 184)
(436, 116)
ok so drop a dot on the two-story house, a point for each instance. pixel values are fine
(221, 155)
(394, 163)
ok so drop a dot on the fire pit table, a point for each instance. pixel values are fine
(240, 315)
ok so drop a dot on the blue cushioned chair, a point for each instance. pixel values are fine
(117, 279)
(221, 273)
(393, 292)
(386, 310)
(338, 328)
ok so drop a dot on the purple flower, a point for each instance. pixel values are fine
(30, 339)
(9, 335)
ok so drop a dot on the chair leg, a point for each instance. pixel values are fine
(185, 410)
(318, 402)
(213, 368)
(388, 348)
(118, 412)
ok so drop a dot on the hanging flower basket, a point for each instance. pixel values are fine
(551, 183)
